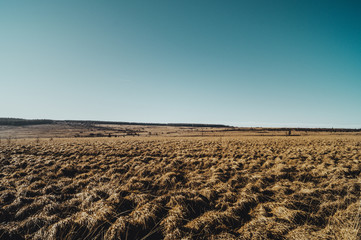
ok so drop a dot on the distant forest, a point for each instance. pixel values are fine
(149, 124)
(26, 122)
(23, 122)
(297, 129)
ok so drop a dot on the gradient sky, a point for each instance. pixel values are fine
(242, 63)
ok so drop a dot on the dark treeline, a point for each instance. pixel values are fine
(146, 124)
(297, 129)
(23, 122)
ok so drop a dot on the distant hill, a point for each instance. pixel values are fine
(23, 122)
(295, 129)
(26, 122)
(147, 124)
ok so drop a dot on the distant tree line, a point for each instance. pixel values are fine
(297, 129)
(23, 122)
(147, 124)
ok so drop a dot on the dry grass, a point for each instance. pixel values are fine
(181, 188)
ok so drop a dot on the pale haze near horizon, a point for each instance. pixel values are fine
(240, 63)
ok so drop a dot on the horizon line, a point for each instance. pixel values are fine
(230, 125)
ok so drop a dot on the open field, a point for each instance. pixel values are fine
(156, 187)
(13, 128)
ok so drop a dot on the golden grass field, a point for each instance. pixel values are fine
(245, 187)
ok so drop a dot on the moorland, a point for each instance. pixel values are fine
(178, 182)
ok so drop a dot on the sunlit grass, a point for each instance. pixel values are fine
(173, 188)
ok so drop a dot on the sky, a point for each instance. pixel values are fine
(241, 63)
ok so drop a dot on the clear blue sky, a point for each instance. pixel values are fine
(243, 63)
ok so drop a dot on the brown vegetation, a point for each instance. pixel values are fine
(181, 188)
